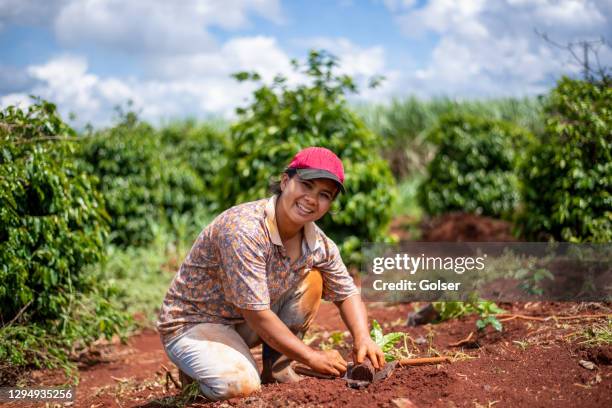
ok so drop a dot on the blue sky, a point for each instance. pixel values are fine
(173, 58)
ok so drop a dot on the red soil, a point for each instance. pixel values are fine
(529, 364)
(466, 228)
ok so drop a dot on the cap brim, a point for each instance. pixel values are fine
(310, 174)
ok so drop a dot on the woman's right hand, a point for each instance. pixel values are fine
(327, 362)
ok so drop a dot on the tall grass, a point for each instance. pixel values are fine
(407, 203)
(405, 123)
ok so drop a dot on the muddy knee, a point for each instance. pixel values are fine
(238, 384)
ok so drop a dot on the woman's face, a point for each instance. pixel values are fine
(306, 200)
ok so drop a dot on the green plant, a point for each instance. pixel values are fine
(281, 120)
(202, 147)
(52, 228)
(597, 334)
(386, 342)
(484, 308)
(531, 282)
(52, 221)
(335, 340)
(567, 177)
(474, 167)
(149, 176)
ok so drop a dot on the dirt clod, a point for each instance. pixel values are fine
(461, 227)
(600, 355)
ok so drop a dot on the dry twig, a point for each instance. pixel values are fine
(462, 342)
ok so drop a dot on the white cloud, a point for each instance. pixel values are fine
(443, 16)
(194, 85)
(489, 48)
(65, 81)
(354, 60)
(156, 26)
(191, 85)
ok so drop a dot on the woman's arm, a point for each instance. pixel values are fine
(277, 335)
(354, 315)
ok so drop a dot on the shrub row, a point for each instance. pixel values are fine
(555, 186)
(52, 226)
(149, 176)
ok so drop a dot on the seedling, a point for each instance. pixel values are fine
(387, 341)
(484, 308)
(531, 282)
(597, 334)
(335, 340)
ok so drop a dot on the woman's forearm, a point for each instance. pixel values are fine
(354, 316)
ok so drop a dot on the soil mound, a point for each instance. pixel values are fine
(463, 227)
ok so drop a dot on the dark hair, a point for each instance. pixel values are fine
(275, 187)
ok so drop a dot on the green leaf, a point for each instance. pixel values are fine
(377, 334)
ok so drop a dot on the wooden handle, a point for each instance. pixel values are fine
(423, 361)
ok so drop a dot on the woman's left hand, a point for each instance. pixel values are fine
(365, 346)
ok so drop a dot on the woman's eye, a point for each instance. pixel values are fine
(326, 196)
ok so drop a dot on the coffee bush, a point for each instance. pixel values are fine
(568, 176)
(150, 176)
(474, 169)
(52, 221)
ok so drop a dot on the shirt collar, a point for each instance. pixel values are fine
(309, 229)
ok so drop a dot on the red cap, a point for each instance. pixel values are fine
(318, 162)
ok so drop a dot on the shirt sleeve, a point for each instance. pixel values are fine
(337, 283)
(243, 269)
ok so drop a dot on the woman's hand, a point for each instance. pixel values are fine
(365, 347)
(353, 313)
(327, 362)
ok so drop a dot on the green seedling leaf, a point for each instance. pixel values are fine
(390, 340)
(385, 341)
(489, 320)
(377, 334)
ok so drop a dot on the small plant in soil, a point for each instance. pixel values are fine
(597, 334)
(335, 340)
(387, 341)
(531, 282)
(484, 308)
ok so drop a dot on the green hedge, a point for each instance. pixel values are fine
(52, 221)
(568, 176)
(202, 148)
(281, 121)
(149, 177)
(474, 169)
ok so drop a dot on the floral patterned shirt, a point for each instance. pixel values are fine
(238, 261)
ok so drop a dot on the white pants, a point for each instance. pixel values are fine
(217, 356)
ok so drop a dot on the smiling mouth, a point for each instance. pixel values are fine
(304, 209)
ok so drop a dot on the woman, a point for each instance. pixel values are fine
(257, 274)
